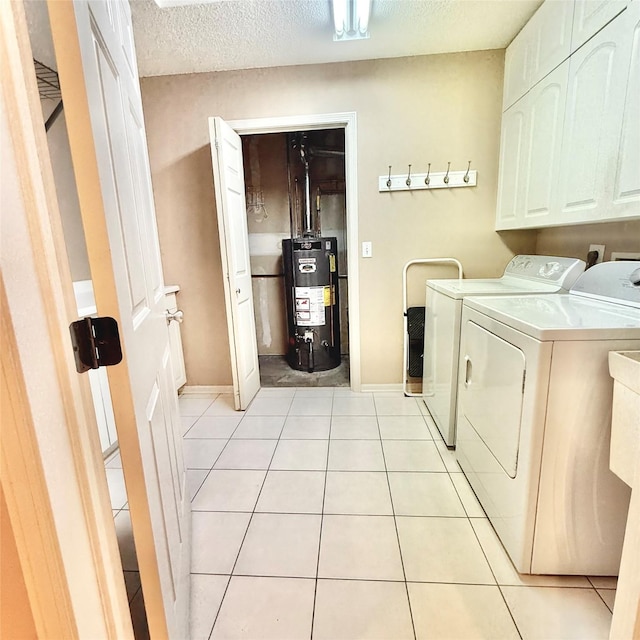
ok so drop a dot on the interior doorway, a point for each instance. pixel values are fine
(276, 203)
(295, 189)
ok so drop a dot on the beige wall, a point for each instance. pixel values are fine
(410, 110)
(574, 241)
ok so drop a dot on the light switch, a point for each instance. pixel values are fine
(367, 250)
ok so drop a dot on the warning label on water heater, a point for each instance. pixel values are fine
(309, 306)
(307, 265)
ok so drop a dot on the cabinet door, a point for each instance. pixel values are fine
(513, 171)
(626, 162)
(516, 68)
(551, 37)
(546, 106)
(595, 102)
(590, 16)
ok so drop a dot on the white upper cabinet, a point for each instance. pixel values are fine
(596, 94)
(543, 43)
(590, 16)
(570, 147)
(516, 69)
(551, 41)
(546, 116)
(530, 153)
(625, 165)
(512, 165)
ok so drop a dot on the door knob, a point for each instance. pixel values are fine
(176, 316)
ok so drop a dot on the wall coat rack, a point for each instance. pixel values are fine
(429, 180)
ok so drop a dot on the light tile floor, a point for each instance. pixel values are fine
(325, 514)
(334, 515)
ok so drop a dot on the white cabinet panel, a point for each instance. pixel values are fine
(626, 163)
(546, 105)
(590, 16)
(530, 154)
(516, 68)
(543, 44)
(511, 180)
(595, 103)
(551, 37)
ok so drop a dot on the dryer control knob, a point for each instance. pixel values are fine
(634, 278)
(549, 268)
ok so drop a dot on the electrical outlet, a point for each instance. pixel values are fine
(600, 249)
(367, 250)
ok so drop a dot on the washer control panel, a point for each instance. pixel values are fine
(557, 270)
(615, 281)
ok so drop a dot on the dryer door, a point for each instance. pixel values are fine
(492, 375)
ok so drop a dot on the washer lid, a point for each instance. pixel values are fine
(561, 316)
(523, 274)
(506, 285)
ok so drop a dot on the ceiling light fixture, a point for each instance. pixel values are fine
(351, 19)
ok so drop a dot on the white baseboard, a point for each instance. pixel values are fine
(381, 388)
(390, 388)
(191, 389)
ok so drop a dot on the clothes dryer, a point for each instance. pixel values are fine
(534, 419)
(523, 275)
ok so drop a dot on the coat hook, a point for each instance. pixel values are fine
(408, 180)
(466, 175)
(446, 177)
(389, 179)
(427, 180)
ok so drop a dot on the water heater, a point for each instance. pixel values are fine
(311, 290)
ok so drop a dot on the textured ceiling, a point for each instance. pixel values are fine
(242, 34)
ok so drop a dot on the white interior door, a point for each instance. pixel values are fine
(228, 179)
(100, 88)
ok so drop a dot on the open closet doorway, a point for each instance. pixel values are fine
(296, 220)
(274, 152)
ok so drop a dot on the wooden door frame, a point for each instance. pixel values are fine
(348, 122)
(52, 470)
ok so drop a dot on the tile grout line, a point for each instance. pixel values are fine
(395, 524)
(515, 624)
(474, 532)
(202, 483)
(184, 436)
(244, 537)
(601, 598)
(506, 604)
(324, 495)
(196, 417)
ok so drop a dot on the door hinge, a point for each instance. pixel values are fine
(216, 144)
(95, 342)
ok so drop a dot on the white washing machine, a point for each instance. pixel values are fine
(534, 419)
(523, 275)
